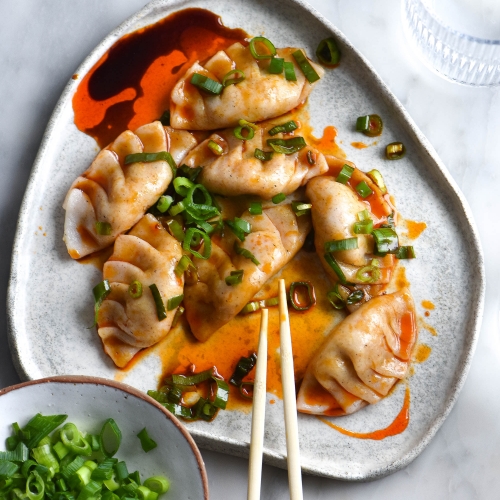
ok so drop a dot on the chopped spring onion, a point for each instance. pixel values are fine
(103, 228)
(345, 174)
(147, 443)
(180, 311)
(355, 297)
(363, 215)
(200, 212)
(311, 158)
(165, 118)
(174, 302)
(386, 240)
(235, 278)
(41, 426)
(327, 52)
(363, 227)
(100, 291)
(248, 128)
(215, 148)
(289, 71)
(240, 227)
(395, 151)
(294, 295)
(182, 185)
(233, 77)
(72, 439)
(246, 390)
(207, 244)
(164, 203)
(370, 125)
(110, 436)
(363, 189)
(368, 274)
(377, 178)
(259, 304)
(158, 484)
(301, 208)
(183, 265)
(255, 208)
(263, 155)
(221, 394)
(243, 368)
(192, 379)
(267, 54)
(177, 209)
(175, 229)
(190, 173)
(336, 268)
(104, 470)
(19, 454)
(205, 83)
(245, 253)
(284, 128)
(276, 66)
(160, 306)
(407, 252)
(151, 157)
(278, 198)
(339, 245)
(207, 199)
(305, 66)
(35, 487)
(287, 146)
(335, 298)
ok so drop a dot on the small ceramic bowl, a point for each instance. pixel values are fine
(89, 401)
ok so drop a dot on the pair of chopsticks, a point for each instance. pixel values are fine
(259, 406)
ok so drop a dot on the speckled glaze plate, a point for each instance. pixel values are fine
(50, 303)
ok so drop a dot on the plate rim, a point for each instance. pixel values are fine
(434, 164)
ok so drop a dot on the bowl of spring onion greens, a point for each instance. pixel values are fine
(87, 438)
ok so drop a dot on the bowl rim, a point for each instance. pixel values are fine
(84, 379)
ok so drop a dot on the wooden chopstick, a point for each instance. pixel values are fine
(258, 414)
(288, 382)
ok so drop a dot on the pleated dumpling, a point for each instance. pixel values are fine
(237, 171)
(275, 237)
(362, 358)
(261, 95)
(148, 254)
(115, 196)
(336, 208)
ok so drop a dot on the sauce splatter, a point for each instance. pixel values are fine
(422, 352)
(131, 84)
(359, 145)
(429, 328)
(399, 424)
(415, 229)
(428, 304)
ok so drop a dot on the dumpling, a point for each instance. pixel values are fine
(335, 209)
(148, 254)
(260, 96)
(238, 172)
(117, 194)
(362, 358)
(276, 236)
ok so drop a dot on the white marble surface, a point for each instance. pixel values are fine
(42, 43)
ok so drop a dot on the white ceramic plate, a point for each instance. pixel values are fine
(50, 302)
(89, 401)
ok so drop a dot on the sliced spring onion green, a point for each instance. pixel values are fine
(19, 454)
(205, 83)
(158, 484)
(395, 151)
(182, 185)
(192, 379)
(267, 54)
(246, 390)
(336, 268)
(104, 470)
(368, 274)
(121, 470)
(363, 189)
(262, 155)
(245, 253)
(110, 436)
(240, 227)
(183, 265)
(233, 77)
(335, 299)
(7, 468)
(345, 174)
(407, 252)
(72, 439)
(200, 212)
(35, 487)
(287, 146)
(327, 52)
(221, 394)
(363, 227)
(305, 66)
(165, 118)
(160, 306)
(311, 157)
(100, 292)
(177, 209)
(103, 228)
(259, 304)
(180, 311)
(164, 203)
(235, 278)
(289, 71)
(339, 245)
(147, 442)
(278, 198)
(150, 157)
(355, 297)
(207, 244)
(68, 470)
(284, 128)
(301, 208)
(370, 125)
(293, 294)
(174, 302)
(175, 229)
(41, 426)
(276, 66)
(377, 178)
(255, 208)
(217, 149)
(190, 195)
(243, 368)
(190, 173)
(44, 456)
(245, 131)
(363, 215)
(386, 240)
